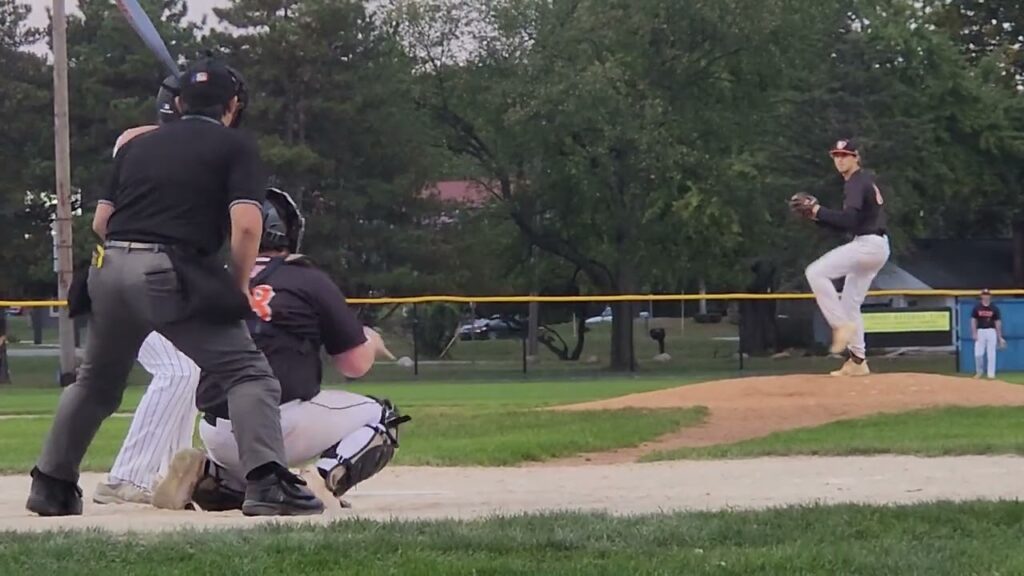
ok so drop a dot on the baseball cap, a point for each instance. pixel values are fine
(986, 292)
(843, 146)
(207, 82)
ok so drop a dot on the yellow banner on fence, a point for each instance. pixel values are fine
(910, 321)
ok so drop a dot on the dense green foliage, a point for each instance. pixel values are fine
(623, 146)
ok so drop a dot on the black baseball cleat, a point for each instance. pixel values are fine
(51, 496)
(280, 494)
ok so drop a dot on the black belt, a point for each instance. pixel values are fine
(135, 246)
(881, 233)
(210, 418)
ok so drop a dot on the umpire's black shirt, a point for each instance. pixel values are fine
(863, 211)
(175, 185)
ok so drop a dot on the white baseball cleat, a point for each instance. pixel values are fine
(120, 493)
(174, 492)
(852, 369)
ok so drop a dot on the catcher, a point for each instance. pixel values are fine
(856, 262)
(297, 311)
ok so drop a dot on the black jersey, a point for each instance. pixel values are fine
(863, 207)
(298, 310)
(985, 316)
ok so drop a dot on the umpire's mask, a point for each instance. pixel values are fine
(283, 224)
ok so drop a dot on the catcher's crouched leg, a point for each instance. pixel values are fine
(362, 454)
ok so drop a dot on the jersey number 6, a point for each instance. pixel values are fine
(259, 300)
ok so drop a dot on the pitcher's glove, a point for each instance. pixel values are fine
(802, 204)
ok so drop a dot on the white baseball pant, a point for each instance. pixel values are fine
(165, 420)
(858, 261)
(985, 349)
(310, 428)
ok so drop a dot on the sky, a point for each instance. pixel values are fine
(196, 10)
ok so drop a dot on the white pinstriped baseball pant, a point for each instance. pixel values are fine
(165, 420)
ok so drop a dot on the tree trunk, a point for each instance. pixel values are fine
(622, 336)
(1018, 253)
(5, 372)
(531, 335)
(703, 309)
(580, 318)
(622, 353)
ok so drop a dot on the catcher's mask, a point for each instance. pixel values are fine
(283, 224)
(166, 109)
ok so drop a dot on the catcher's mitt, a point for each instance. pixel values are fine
(802, 204)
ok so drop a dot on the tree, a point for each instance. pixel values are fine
(620, 137)
(989, 34)
(26, 150)
(340, 132)
(113, 81)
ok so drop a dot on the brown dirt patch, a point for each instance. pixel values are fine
(747, 408)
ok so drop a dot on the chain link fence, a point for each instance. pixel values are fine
(508, 338)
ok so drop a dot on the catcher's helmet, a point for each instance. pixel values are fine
(166, 108)
(283, 224)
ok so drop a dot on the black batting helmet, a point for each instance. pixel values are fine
(243, 98)
(283, 224)
(166, 107)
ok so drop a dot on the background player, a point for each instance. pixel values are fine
(987, 329)
(298, 310)
(857, 262)
(164, 422)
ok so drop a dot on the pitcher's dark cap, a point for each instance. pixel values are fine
(844, 146)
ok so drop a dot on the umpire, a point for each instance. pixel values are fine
(174, 195)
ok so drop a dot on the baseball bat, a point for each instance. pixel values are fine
(143, 26)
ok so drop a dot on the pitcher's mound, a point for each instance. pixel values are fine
(747, 408)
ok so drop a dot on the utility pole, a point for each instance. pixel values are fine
(62, 153)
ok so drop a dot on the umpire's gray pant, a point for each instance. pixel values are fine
(133, 293)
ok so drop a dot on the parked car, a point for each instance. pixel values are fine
(498, 327)
(473, 330)
(605, 316)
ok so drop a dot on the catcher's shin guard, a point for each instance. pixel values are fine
(369, 460)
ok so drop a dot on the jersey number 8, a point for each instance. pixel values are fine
(259, 300)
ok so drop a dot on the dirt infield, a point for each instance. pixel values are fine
(738, 410)
(747, 408)
(425, 493)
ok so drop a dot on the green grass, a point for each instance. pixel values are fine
(436, 436)
(453, 424)
(934, 540)
(21, 440)
(35, 401)
(933, 432)
(496, 438)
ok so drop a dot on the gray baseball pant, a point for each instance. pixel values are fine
(133, 293)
